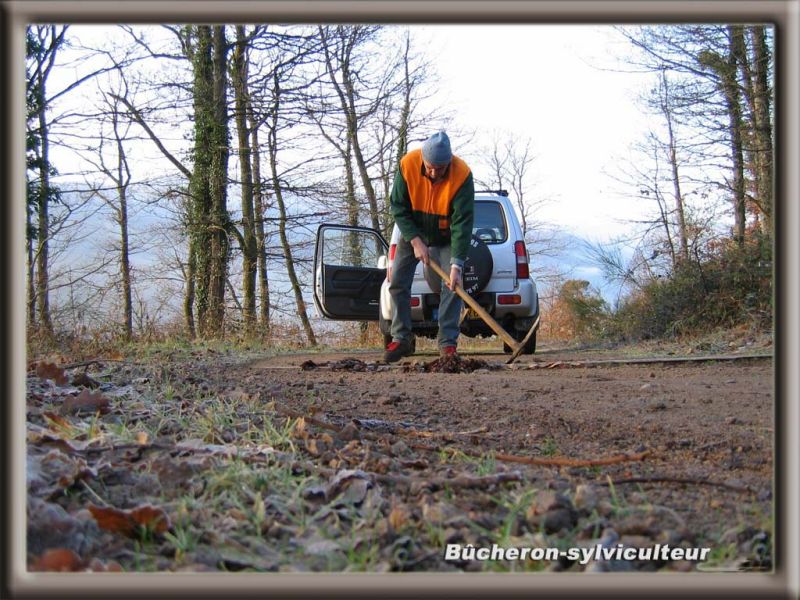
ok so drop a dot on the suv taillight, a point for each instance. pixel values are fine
(392, 251)
(522, 260)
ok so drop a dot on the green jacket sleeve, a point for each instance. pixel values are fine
(463, 215)
(400, 205)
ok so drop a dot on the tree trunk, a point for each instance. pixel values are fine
(31, 303)
(737, 153)
(287, 249)
(218, 179)
(725, 69)
(42, 250)
(125, 266)
(121, 179)
(199, 209)
(763, 127)
(261, 245)
(683, 236)
(189, 296)
(250, 248)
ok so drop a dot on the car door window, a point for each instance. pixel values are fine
(345, 248)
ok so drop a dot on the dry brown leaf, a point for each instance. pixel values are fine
(131, 522)
(398, 517)
(57, 559)
(59, 421)
(237, 514)
(86, 401)
(311, 447)
(141, 437)
(151, 517)
(47, 370)
(82, 379)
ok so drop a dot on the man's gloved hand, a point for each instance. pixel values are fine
(420, 250)
(455, 278)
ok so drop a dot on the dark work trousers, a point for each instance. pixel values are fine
(450, 305)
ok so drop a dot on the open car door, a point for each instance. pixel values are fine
(347, 273)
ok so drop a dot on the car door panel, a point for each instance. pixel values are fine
(347, 276)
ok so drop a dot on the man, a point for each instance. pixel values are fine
(433, 204)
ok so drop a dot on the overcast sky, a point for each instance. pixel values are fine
(555, 85)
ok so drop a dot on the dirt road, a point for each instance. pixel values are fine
(708, 426)
(331, 462)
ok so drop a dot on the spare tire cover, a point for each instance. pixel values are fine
(477, 269)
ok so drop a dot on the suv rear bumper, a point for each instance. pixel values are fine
(518, 317)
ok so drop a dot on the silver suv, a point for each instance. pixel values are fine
(350, 276)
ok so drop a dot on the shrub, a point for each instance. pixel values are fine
(731, 285)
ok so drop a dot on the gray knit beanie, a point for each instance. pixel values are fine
(436, 149)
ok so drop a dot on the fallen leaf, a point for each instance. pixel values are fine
(82, 379)
(57, 559)
(131, 522)
(86, 401)
(40, 436)
(311, 447)
(47, 370)
(398, 517)
(52, 473)
(141, 437)
(151, 517)
(59, 422)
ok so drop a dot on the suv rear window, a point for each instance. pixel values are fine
(490, 223)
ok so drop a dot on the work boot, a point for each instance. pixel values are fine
(397, 350)
(448, 351)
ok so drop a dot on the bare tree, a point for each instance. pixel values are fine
(712, 91)
(277, 188)
(43, 43)
(119, 173)
(664, 104)
(360, 91)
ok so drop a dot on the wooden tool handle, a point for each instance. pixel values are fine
(473, 304)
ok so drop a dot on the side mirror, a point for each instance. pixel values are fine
(383, 261)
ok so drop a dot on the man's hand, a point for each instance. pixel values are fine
(455, 278)
(420, 250)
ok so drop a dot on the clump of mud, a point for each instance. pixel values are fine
(449, 364)
(346, 364)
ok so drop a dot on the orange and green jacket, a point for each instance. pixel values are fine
(439, 213)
